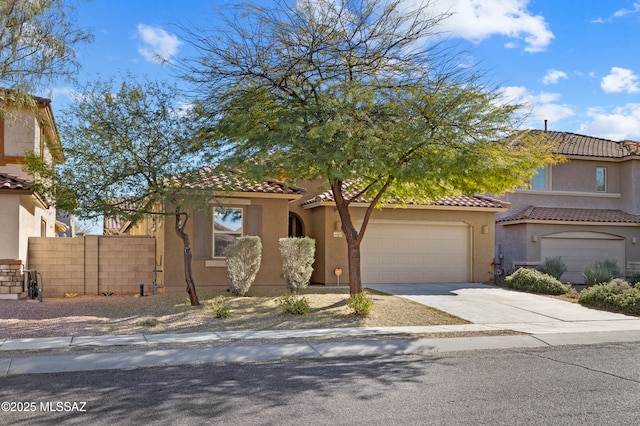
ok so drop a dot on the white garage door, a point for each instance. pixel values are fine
(580, 249)
(415, 252)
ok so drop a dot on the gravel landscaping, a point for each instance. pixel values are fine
(169, 313)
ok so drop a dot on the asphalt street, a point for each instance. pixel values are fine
(563, 385)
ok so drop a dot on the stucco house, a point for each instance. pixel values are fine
(450, 240)
(583, 210)
(23, 213)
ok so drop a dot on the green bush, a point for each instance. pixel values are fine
(553, 266)
(533, 281)
(361, 304)
(294, 304)
(220, 307)
(616, 295)
(244, 256)
(634, 278)
(601, 271)
(298, 255)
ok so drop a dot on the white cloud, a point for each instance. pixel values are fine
(618, 124)
(476, 20)
(541, 106)
(553, 76)
(158, 45)
(622, 12)
(617, 14)
(620, 80)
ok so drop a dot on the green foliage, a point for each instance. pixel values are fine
(634, 278)
(361, 303)
(298, 255)
(37, 42)
(533, 281)
(244, 257)
(616, 295)
(220, 307)
(128, 147)
(553, 266)
(601, 271)
(294, 304)
(350, 89)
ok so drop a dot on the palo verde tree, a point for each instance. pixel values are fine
(129, 151)
(362, 94)
(37, 45)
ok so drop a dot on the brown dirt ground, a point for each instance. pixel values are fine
(169, 313)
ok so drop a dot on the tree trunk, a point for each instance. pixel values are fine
(355, 278)
(353, 239)
(353, 236)
(188, 276)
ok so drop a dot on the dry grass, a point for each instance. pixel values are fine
(169, 313)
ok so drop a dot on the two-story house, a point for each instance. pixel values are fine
(583, 210)
(23, 212)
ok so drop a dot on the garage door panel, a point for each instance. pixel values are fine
(415, 253)
(578, 253)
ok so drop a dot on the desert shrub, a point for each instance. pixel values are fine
(634, 278)
(533, 281)
(220, 308)
(361, 303)
(616, 295)
(149, 322)
(553, 266)
(243, 262)
(601, 271)
(298, 255)
(294, 304)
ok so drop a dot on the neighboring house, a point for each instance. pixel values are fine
(451, 240)
(583, 210)
(23, 213)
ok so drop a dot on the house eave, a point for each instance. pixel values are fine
(33, 197)
(566, 222)
(412, 207)
(249, 194)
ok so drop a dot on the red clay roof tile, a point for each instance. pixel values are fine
(8, 181)
(571, 215)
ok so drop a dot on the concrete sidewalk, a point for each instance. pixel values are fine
(254, 350)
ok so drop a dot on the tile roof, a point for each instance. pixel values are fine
(571, 215)
(235, 181)
(589, 146)
(8, 181)
(481, 201)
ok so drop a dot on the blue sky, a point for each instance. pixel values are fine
(574, 62)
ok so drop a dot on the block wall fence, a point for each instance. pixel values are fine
(93, 264)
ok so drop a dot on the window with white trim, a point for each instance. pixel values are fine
(227, 226)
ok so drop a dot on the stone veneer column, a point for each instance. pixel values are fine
(12, 279)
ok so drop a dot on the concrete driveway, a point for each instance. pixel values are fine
(513, 310)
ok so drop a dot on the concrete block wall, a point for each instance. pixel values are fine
(11, 279)
(124, 263)
(93, 265)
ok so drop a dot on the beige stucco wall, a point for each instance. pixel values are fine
(21, 135)
(9, 228)
(573, 186)
(211, 273)
(521, 242)
(324, 221)
(20, 219)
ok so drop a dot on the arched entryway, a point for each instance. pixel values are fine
(296, 227)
